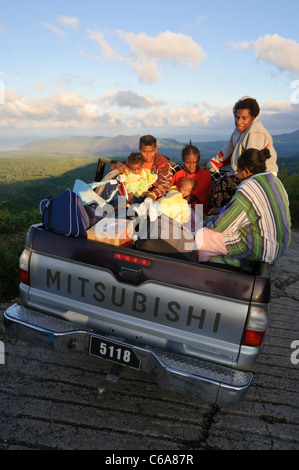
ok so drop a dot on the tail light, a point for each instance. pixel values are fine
(256, 326)
(133, 259)
(24, 266)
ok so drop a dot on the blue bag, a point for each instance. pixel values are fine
(66, 214)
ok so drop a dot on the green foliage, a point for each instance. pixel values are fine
(14, 225)
(291, 184)
(24, 182)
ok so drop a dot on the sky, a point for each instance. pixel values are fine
(170, 68)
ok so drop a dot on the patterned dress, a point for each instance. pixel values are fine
(256, 223)
(138, 184)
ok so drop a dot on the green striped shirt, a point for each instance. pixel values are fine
(256, 223)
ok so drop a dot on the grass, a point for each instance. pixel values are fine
(14, 225)
(291, 184)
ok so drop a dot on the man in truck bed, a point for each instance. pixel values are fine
(154, 161)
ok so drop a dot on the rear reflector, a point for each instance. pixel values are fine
(132, 259)
(24, 276)
(257, 325)
(253, 338)
(24, 266)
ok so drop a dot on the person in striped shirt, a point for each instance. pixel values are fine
(256, 224)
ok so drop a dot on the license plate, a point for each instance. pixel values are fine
(113, 351)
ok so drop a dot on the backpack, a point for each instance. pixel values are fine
(113, 189)
(66, 214)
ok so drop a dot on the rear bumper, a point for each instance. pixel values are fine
(207, 381)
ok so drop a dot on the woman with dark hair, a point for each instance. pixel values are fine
(249, 133)
(256, 223)
(201, 192)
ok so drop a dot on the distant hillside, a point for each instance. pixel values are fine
(292, 137)
(109, 146)
(286, 145)
(71, 145)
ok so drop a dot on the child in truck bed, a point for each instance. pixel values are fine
(175, 205)
(137, 180)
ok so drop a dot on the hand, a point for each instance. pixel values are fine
(122, 168)
(214, 211)
(191, 198)
(150, 195)
(131, 198)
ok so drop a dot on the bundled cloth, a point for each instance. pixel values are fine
(175, 206)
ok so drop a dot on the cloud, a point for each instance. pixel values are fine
(200, 19)
(72, 110)
(132, 113)
(281, 52)
(54, 29)
(11, 96)
(274, 107)
(69, 21)
(148, 72)
(185, 117)
(38, 86)
(127, 98)
(280, 116)
(60, 110)
(68, 80)
(147, 51)
(165, 46)
(106, 50)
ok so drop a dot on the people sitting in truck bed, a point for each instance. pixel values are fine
(256, 223)
(156, 163)
(175, 204)
(249, 133)
(202, 191)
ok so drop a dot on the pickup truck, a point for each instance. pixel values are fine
(197, 327)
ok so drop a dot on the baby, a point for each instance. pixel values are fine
(186, 187)
(138, 180)
(174, 204)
